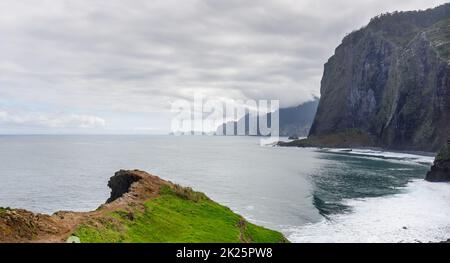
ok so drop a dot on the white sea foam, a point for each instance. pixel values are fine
(419, 214)
(401, 169)
(402, 157)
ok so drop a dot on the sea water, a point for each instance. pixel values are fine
(311, 195)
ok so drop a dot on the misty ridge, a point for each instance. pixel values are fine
(293, 121)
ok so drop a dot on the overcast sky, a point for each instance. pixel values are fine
(114, 66)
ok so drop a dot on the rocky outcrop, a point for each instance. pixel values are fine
(141, 207)
(121, 183)
(391, 81)
(129, 190)
(17, 225)
(440, 171)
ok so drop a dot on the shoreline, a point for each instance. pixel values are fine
(299, 144)
(376, 219)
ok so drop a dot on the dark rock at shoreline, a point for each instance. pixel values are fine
(440, 171)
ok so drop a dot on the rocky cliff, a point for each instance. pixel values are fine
(440, 171)
(391, 82)
(142, 208)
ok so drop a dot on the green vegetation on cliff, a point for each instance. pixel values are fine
(444, 154)
(177, 215)
(390, 80)
(142, 208)
(2, 210)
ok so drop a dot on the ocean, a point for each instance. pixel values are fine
(311, 195)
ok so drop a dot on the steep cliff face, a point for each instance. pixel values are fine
(440, 171)
(391, 81)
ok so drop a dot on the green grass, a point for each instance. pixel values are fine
(4, 209)
(178, 215)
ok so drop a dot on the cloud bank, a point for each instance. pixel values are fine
(123, 60)
(43, 120)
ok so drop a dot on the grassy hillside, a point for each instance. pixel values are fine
(177, 215)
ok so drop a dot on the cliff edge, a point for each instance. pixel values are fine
(440, 171)
(390, 83)
(142, 208)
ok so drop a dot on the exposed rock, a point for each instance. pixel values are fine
(440, 171)
(131, 193)
(133, 186)
(120, 184)
(129, 189)
(17, 225)
(391, 81)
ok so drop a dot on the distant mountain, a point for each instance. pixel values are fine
(294, 121)
(389, 83)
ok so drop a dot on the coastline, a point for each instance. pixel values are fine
(142, 208)
(417, 213)
(418, 157)
(305, 143)
(363, 205)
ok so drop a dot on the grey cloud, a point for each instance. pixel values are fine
(57, 121)
(107, 56)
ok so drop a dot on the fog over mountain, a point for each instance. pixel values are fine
(293, 121)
